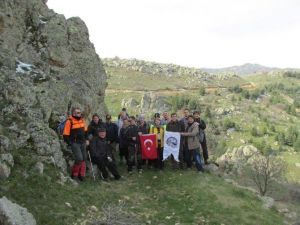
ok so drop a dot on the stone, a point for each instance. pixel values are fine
(236, 158)
(268, 202)
(131, 102)
(13, 214)
(39, 168)
(211, 168)
(93, 208)
(7, 158)
(297, 165)
(291, 215)
(283, 210)
(4, 143)
(4, 171)
(47, 66)
(153, 102)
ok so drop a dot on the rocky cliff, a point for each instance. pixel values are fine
(47, 65)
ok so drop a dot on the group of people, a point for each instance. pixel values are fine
(103, 142)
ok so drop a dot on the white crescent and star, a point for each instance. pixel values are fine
(148, 141)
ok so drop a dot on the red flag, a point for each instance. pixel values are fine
(148, 146)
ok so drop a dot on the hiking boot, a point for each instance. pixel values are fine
(118, 177)
(202, 170)
(206, 162)
(80, 178)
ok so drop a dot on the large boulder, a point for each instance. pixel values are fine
(236, 158)
(154, 102)
(13, 214)
(47, 65)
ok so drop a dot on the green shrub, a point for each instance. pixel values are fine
(229, 124)
(202, 91)
(254, 132)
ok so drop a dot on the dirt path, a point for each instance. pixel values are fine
(209, 89)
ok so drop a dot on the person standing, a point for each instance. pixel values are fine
(176, 126)
(94, 125)
(142, 125)
(193, 144)
(111, 134)
(202, 135)
(134, 154)
(143, 128)
(75, 135)
(159, 131)
(184, 119)
(101, 155)
(122, 116)
(166, 119)
(123, 142)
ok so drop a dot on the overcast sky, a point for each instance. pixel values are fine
(199, 33)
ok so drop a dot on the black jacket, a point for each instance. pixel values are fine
(93, 127)
(99, 148)
(177, 126)
(202, 124)
(123, 142)
(111, 132)
(144, 129)
(132, 132)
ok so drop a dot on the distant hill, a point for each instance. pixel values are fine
(242, 70)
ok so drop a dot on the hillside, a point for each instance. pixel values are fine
(48, 65)
(262, 110)
(241, 70)
(170, 197)
(147, 85)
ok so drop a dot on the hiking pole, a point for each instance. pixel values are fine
(91, 165)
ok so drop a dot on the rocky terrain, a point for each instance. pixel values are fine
(158, 69)
(47, 65)
(245, 69)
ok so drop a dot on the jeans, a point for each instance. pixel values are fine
(194, 155)
(134, 154)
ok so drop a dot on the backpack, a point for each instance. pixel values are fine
(61, 126)
(201, 135)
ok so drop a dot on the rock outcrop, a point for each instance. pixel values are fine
(47, 65)
(13, 214)
(234, 159)
(158, 69)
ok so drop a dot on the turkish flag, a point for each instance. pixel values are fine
(148, 146)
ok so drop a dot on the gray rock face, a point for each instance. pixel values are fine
(13, 214)
(4, 171)
(235, 159)
(131, 102)
(39, 168)
(6, 162)
(47, 65)
(151, 101)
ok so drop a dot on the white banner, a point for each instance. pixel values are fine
(171, 145)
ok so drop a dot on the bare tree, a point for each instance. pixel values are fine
(264, 169)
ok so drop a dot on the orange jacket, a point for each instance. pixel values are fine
(75, 130)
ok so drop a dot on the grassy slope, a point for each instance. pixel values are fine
(183, 197)
(252, 114)
(119, 78)
(174, 197)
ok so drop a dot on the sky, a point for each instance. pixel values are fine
(196, 33)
